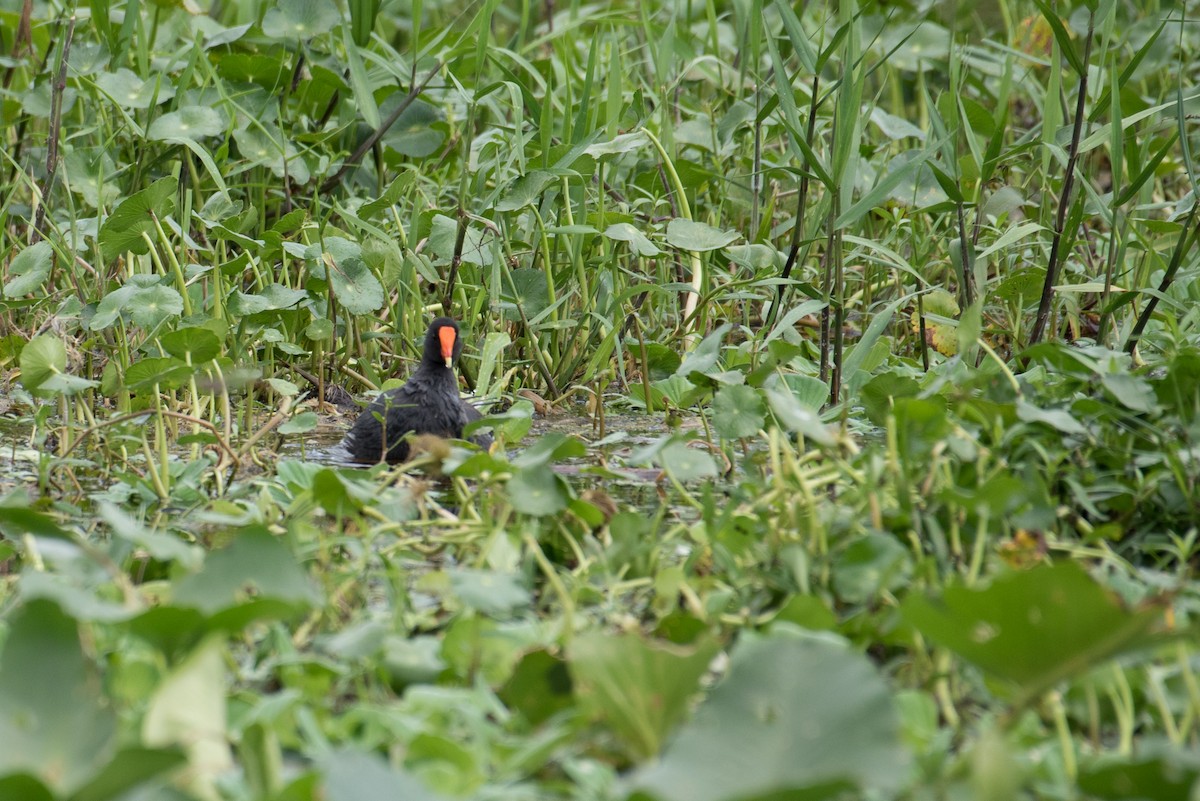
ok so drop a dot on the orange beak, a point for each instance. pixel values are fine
(447, 336)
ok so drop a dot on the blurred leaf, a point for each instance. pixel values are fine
(1035, 628)
(495, 594)
(187, 709)
(415, 134)
(539, 687)
(165, 372)
(1164, 777)
(52, 722)
(686, 464)
(254, 559)
(29, 270)
(189, 122)
(794, 718)
(537, 490)
(300, 19)
(738, 412)
(871, 564)
(796, 416)
(640, 688)
(356, 776)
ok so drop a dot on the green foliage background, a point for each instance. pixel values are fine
(896, 300)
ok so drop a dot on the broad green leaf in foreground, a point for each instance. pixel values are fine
(356, 776)
(1035, 628)
(52, 724)
(641, 689)
(188, 710)
(254, 559)
(795, 718)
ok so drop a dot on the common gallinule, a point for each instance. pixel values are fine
(428, 404)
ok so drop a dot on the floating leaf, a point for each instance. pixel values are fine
(691, 235)
(792, 715)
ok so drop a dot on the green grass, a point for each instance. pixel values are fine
(902, 302)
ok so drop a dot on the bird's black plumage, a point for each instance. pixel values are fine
(428, 403)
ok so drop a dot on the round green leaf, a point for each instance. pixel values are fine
(200, 344)
(738, 412)
(129, 91)
(537, 491)
(42, 357)
(686, 464)
(166, 372)
(189, 122)
(29, 270)
(691, 235)
(150, 306)
(300, 19)
(625, 232)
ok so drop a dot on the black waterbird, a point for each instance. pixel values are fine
(428, 403)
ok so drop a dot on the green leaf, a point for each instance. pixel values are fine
(122, 230)
(416, 133)
(42, 357)
(189, 122)
(539, 687)
(686, 464)
(1035, 628)
(356, 776)
(255, 559)
(797, 416)
(355, 285)
(52, 722)
(300, 19)
(738, 412)
(537, 490)
(129, 91)
(494, 594)
(641, 689)
(199, 344)
(150, 306)
(29, 270)
(792, 715)
(639, 242)
(165, 372)
(187, 709)
(690, 235)
(525, 190)
(129, 769)
(704, 356)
